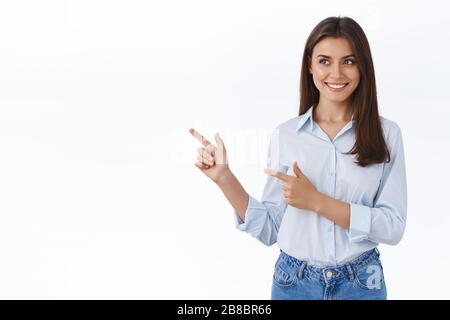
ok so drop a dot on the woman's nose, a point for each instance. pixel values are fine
(336, 71)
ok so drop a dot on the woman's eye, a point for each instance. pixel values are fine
(347, 61)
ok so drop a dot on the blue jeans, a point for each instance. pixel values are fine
(359, 279)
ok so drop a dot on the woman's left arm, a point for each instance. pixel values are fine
(383, 223)
(299, 192)
(333, 209)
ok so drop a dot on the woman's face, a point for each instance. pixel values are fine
(334, 69)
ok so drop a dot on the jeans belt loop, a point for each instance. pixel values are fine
(377, 251)
(350, 271)
(300, 271)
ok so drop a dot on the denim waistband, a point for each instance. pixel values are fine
(345, 270)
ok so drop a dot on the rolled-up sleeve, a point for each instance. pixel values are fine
(263, 218)
(385, 221)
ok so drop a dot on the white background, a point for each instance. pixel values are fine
(99, 195)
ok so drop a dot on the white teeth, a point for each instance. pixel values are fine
(336, 86)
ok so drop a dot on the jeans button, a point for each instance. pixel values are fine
(329, 274)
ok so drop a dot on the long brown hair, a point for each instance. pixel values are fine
(370, 146)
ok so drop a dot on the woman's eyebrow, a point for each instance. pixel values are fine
(328, 57)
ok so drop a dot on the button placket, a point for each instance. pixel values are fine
(333, 193)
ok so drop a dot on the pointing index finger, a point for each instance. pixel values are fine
(278, 174)
(199, 137)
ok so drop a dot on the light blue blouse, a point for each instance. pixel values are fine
(376, 194)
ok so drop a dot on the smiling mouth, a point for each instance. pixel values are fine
(336, 86)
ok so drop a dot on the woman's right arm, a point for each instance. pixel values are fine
(261, 219)
(234, 192)
(213, 162)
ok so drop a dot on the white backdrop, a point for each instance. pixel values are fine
(99, 195)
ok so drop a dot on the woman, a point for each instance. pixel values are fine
(336, 184)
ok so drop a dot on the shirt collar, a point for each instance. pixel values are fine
(307, 117)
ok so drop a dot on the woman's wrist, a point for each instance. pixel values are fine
(225, 178)
(317, 202)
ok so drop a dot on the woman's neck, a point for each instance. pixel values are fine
(333, 112)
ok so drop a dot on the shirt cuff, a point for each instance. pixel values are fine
(249, 214)
(360, 222)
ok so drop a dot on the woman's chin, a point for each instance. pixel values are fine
(337, 98)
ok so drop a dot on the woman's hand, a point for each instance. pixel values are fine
(299, 192)
(211, 160)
